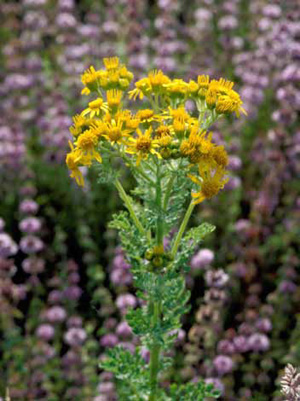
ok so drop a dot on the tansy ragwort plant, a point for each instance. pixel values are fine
(172, 157)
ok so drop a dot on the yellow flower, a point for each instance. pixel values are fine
(115, 132)
(212, 182)
(220, 156)
(146, 116)
(154, 83)
(230, 103)
(114, 97)
(86, 145)
(111, 63)
(73, 167)
(198, 146)
(80, 124)
(98, 128)
(142, 146)
(221, 96)
(177, 88)
(203, 83)
(163, 131)
(90, 80)
(193, 88)
(95, 108)
(177, 114)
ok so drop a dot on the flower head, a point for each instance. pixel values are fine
(143, 145)
(95, 108)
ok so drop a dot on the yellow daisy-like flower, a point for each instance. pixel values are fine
(230, 103)
(111, 63)
(90, 80)
(116, 133)
(210, 185)
(198, 146)
(163, 131)
(99, 128)
(147, 116)
(193, 88)
(177, 114)
(73, 167)
(95, 108)
(86, 147)
(80, 124)
(154, 83)
(220, 156)
(114, 97)
(203, 83)
(177, 88)
(143, 145)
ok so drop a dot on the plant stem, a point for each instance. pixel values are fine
(154, 357)
(129, 206)
(168, 191)
(159, 221)
(182, 228)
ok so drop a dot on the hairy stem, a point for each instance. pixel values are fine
(129, 206)
(182, 228)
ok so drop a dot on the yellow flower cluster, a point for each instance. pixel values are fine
(162, 132)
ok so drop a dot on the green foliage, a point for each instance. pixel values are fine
(169, 290)
(130, 371)
(193, 392)
(133, 244)
(188, 244)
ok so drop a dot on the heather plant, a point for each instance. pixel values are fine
(172, 156)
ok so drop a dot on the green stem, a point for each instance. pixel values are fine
(129, 206)
(182, 228)
(159, 221)
(154, 356)
(168, 191)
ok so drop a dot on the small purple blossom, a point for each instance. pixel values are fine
(56, 314)
(258, 342)
(223, 364)
(45, 332)
(202, 259)
(75, 336)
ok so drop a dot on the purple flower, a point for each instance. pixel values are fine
(106, 388)
(28, 206)
(145, 354)
(226, 347)
(223, 364)
(45, 332)
(56, 314)
(75, 336)
(74, 321)
(202, 259)
(264, 324)
(2, 224)
(258, 342)
(73, 292)
(30, 225)
(228, 22)
(7, 246)
(66, 21)
(109, 340)
(33, 265)
(241, 344)
(125, 301)
(216, 278)
(31, 244)
(124, 330)
(287, 287)
(55, 296)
